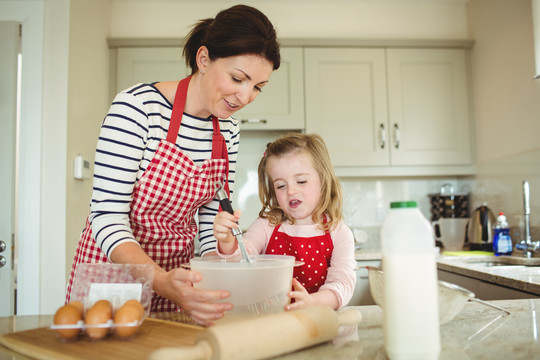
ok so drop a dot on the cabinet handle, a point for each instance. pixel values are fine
(396, 136)
(382, 135)
(253, 121)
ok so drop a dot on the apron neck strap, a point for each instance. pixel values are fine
(178, 109)
(219, 145)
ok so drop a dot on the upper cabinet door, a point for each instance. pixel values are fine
(137, 65)
(346, 104)
(428, 107)
(280, 105)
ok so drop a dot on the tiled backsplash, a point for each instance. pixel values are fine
(367, 200)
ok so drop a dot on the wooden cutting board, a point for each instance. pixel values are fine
(43, 344)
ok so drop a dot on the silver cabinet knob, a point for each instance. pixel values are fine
(2, 246)
(2, 261)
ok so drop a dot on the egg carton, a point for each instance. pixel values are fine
(81, 325)
(123, 330)
(116, 283)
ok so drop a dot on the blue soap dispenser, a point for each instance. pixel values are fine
(502, 242)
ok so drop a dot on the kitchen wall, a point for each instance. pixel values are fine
(506, 105)
(88, 101)
(342, 19)
(366, 19)
(504, 97)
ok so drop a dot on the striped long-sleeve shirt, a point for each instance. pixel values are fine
(137, 121)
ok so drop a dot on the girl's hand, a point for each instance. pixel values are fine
(223, 225)
(177, 285)
(302, 298)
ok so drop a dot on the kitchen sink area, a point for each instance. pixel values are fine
(490, 277)
(493, 277)
(504, 261)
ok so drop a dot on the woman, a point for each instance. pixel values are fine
(165, 149)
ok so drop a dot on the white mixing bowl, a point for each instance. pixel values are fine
(259, 287)
(452, 297)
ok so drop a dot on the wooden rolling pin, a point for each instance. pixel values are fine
(265, 336)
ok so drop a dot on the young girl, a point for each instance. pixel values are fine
(302, 217)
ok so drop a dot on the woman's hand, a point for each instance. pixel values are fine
(177, 286)
(223, 225)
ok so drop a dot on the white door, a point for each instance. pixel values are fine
(9, 50)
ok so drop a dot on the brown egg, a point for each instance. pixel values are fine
(123, 319)
(79, 306)
(99, 314)
(105, 306)
(137, 304)
(67, 315)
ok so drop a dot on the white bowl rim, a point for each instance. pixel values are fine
(236, 262)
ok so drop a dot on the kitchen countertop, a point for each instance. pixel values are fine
(521, 278)
(477, 332)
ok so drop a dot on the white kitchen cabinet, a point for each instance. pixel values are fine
(428, 107)
(346, 103)
(141, 64)
(384, 108)
(362, 294)
(280, 105)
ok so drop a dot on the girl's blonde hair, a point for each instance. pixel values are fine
(331, 199)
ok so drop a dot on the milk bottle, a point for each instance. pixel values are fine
(410, 307)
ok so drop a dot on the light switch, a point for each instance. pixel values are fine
(81, 168)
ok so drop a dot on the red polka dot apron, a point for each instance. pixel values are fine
(314, 251)
(165, 201)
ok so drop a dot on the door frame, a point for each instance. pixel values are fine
(9, 60)
(41, 208)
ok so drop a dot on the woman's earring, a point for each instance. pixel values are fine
(201, 71)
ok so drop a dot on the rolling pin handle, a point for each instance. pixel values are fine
(349, 316)
(201, 351)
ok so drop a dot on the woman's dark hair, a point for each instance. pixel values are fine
(238, 30)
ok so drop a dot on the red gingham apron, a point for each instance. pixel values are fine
(165, 201)
(314, 251)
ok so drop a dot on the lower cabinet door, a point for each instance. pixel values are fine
(362, 295)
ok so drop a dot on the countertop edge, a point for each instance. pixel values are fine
(486, 275)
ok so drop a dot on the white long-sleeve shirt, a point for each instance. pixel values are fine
(137, 121)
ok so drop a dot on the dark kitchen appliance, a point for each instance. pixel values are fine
(448, 204)
(480, 229)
